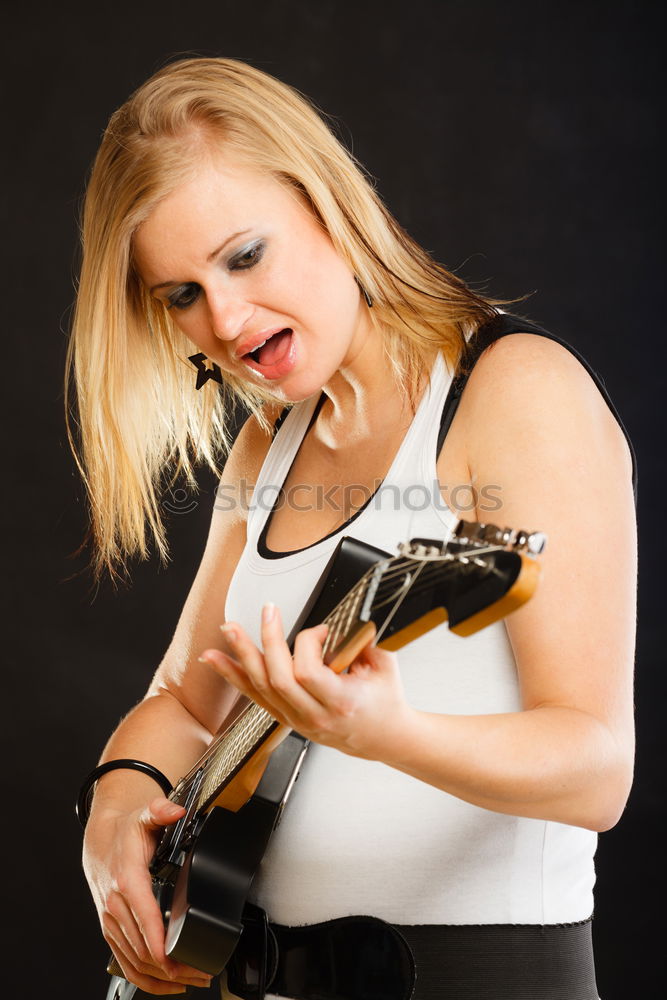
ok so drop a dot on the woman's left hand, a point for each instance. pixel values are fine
(357, 712)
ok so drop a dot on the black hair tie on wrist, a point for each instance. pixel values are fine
(83, 800)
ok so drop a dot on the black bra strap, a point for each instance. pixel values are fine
(500, 326)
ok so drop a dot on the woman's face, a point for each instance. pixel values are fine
(241, 262)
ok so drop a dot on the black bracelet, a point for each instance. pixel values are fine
(83, 801)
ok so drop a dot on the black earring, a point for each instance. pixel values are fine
(369, 300)
(204, 373)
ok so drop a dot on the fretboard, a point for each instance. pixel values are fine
(228, 752)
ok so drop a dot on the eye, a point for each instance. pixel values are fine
(184, 296)
(248, 257)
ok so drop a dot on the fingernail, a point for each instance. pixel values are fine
(203, 659)
(268, 612)
(228, 633)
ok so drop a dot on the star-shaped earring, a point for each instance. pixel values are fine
(204, 373)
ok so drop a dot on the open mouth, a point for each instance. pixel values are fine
(275, 356)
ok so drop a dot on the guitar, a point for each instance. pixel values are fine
(234, 795)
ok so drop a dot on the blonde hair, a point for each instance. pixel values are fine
(140, 418)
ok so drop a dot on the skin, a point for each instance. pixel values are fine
(567, 756)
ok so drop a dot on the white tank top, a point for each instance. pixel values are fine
(357, 836)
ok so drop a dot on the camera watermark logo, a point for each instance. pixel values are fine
(179, 501)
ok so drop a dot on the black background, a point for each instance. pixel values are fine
(519, 142)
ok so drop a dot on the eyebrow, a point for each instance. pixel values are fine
(211, 256)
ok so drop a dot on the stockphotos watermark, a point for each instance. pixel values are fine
(348, 499)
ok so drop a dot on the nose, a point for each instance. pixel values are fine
(228, 313)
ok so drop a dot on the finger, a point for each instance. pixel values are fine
(142, 919)
(378, 659)
(283, 668)
(249, 658)
(136, 887)
(120, 922)
(147, 983)
(143, 973)
(268, 678)
(145, 926)
(159, 813)
(268, 698)
(323, 684)
(241, 663)
(245, 667)
(233, 673)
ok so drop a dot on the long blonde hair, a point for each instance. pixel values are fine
(140, 419)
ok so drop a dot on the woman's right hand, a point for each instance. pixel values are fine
(118, 847)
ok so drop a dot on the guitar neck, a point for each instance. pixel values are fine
(231, 750)
(428, 582)
(245, 737)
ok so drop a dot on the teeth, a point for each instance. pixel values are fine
(253, 352)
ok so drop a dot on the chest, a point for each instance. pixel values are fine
(324, 487)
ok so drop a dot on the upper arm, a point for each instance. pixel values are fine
(203, 692)
(538, 430)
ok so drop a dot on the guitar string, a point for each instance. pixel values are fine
(434, 568)
(400, 597)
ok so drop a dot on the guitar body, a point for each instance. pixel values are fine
(204, 866)
(204, 905)
(210, 891)
(212, 886)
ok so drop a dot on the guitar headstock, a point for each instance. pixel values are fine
(479, 575)
(470, 535)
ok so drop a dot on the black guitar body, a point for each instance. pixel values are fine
(203, 909)
(204, 923)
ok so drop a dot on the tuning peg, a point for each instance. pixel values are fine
(533, 542)
(421, 548)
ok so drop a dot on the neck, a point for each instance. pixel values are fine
(364, 397)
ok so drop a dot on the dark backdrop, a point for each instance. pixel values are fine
(518, 141)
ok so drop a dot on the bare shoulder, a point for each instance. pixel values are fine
(242, 469)
(522, 362)
(252, 443)
(529, 390)
(227, 530)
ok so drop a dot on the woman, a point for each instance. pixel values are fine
(458, 785)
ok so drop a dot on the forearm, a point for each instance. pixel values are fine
(549, 762)
(160, 731)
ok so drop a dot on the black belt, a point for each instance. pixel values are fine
(364, 958)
